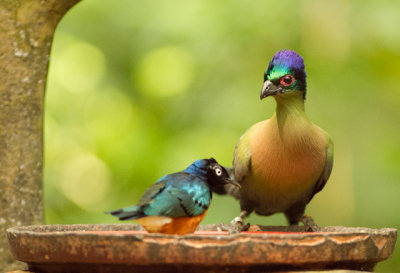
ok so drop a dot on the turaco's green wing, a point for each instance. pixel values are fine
(326, 172)
(242, 155)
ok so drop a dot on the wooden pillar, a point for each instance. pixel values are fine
(26, 33)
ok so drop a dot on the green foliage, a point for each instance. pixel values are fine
(138, 89)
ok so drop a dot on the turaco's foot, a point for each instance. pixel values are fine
(309, 223)
(236, 226)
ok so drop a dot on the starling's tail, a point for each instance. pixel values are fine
(133, 212)
(228, 188)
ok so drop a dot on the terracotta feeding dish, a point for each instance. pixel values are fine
(127, 248)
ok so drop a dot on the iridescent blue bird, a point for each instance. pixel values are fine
(178, 202)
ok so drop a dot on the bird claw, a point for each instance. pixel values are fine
(309, 223)
(235, 227)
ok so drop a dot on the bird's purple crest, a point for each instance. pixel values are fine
(289, 59)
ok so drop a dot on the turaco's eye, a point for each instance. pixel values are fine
(287, 80)
(218, 171)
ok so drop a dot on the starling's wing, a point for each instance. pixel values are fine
(135, 212)
(183, 195)
(152, 191)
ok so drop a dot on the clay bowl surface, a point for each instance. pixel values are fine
(127, 248)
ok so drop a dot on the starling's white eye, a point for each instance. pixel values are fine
(218, 171)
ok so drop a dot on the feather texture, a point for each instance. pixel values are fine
(284, 161)
(177, 202)
(287, 155)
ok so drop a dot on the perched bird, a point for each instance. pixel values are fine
(178, 202)
(282, 162)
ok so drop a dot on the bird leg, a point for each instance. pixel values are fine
(309, 223)
(237, 225)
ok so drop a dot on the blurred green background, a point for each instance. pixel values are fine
(138, 89)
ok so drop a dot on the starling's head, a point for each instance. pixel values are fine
(285, 74)
(213, 173)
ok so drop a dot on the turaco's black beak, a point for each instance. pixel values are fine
(269, 89)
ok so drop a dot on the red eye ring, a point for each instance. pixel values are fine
(287, 80)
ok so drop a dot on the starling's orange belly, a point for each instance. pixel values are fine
(168, 225)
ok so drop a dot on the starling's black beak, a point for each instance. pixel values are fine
(232, 182)
(269, 89)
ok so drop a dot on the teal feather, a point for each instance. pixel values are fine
(181, 194)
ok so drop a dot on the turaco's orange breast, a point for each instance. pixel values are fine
(284, 167)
